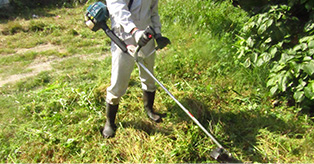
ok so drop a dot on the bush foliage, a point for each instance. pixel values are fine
(280, 39)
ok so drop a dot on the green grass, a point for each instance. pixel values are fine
(56, 115)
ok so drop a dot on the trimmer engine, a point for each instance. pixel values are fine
(96, 15)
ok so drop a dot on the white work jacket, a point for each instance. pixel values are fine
(141, 14)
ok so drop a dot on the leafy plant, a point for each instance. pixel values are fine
(271, 39)
(294, 71)
(264, 35)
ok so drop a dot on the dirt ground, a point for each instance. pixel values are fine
(40, 64)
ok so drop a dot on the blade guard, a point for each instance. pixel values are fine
(222, 155)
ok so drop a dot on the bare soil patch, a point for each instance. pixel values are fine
(41, 64)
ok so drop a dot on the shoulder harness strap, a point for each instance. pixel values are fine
(130, 4)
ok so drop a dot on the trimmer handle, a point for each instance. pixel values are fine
(121, 44)
(149, 32)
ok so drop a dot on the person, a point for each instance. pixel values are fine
(129, 19)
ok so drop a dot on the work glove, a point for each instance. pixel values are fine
(161, 41)
(140, 37)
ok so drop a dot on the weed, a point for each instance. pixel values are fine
(12, 28)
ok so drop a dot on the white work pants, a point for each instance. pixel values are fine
(122, 67)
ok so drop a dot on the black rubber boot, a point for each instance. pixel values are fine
(110, 127)
(148, 99)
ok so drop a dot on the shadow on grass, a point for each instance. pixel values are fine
(27, 14)
(29, 10)
(240, 128)
(149, 127)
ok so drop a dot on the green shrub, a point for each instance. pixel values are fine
(271, 38)
(264, 35)
(294, 71)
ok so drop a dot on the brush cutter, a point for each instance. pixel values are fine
(96, 17)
